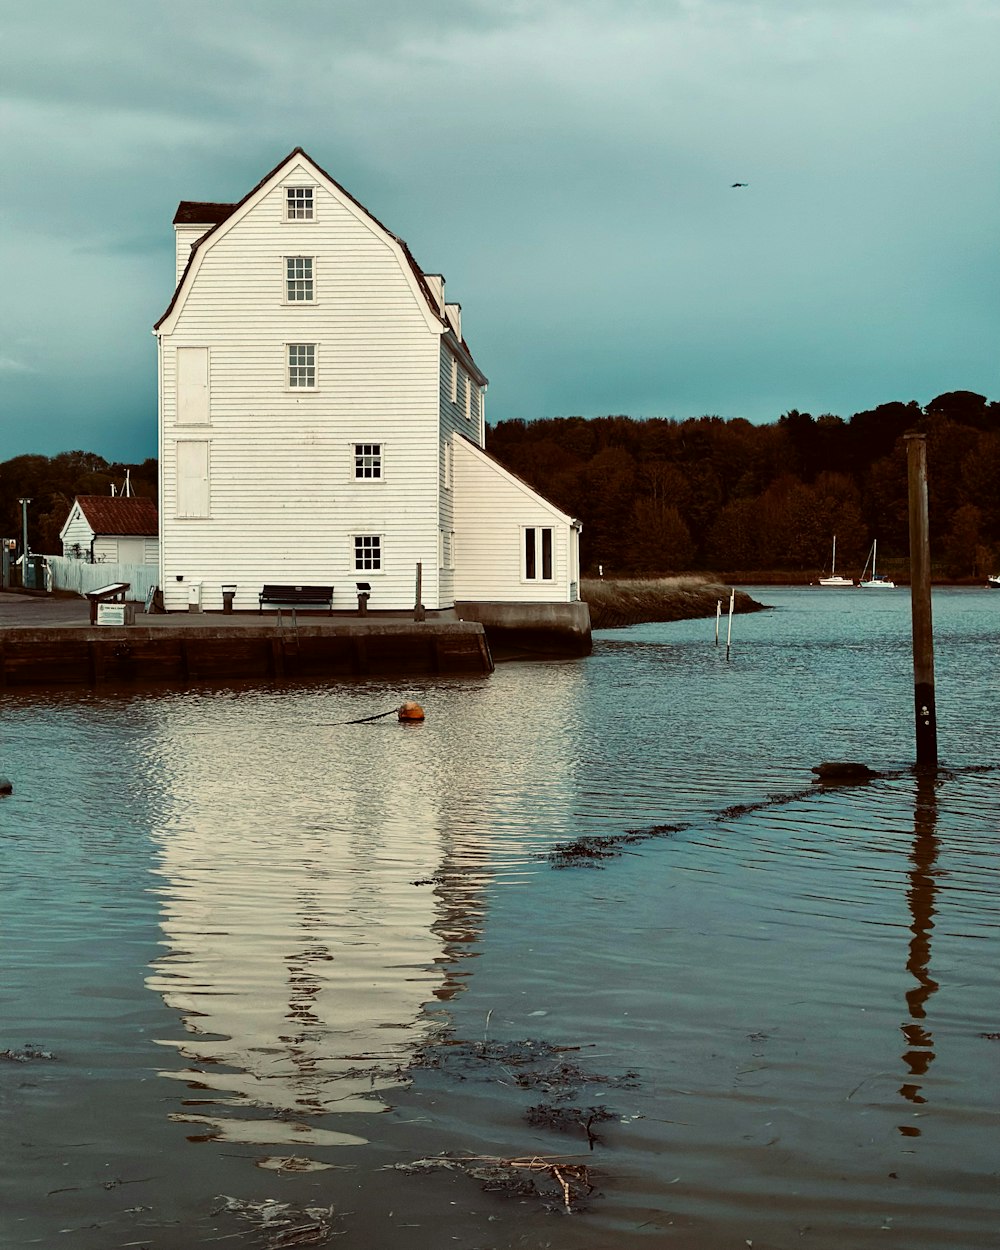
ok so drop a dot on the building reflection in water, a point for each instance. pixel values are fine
(919, 1052)
(322, 894)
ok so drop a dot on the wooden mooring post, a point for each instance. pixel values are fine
(920, 603)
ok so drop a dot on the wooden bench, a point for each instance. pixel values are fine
(296, 597)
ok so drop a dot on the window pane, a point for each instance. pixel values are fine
(529, 554)
(298, 278)
(299, 203)
(301, 364)
(546, 555)
(367, 552)
(367, 460)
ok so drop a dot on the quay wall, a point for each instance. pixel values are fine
(90, 655)
(548, 629)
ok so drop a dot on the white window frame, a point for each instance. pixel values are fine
(468, 397)
(533, 554)
(373, 459)
(295, 281)
(309, 363)
(448, 465)
(375, 546)
(294, 200)
(453, 380)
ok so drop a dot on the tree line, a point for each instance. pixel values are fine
(660, 496)
(53, 482)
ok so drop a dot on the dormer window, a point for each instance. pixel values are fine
(299, 279)
(299, 204)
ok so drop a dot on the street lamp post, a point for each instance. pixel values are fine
(24, 541)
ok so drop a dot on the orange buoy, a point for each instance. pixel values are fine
(411, 712)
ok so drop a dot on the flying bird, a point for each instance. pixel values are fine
(741, 184)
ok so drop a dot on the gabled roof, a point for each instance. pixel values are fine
(119, 514)
(218, 214)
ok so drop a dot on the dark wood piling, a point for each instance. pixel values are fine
(920, 603)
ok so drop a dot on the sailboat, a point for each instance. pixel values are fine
(835, 579)
(874, 582)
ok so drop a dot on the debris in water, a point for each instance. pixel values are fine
(590, 851)
(281, 1224)
(518, 1177)
(26, 1054)
(569, 1119)
(843, 772)
(292, 1163)
(527, 1064)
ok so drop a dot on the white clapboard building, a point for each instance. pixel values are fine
(321, 420)
(115, 529)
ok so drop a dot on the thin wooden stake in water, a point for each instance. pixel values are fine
(729, 632)
(718, 618)
(920, 603)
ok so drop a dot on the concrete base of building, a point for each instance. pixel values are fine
(545, 629)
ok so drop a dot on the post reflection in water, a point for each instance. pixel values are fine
(919, 1053)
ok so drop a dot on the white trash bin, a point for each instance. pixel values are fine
(194, 596)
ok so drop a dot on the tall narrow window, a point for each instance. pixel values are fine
(299, 203)
(192, 479)
(192, 386)
(301, 365)
(468, 396)
(538, 553)
(367, 553)
(367, 461)
(299, 279)
(453, 379)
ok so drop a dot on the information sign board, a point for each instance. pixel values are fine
(111, 614)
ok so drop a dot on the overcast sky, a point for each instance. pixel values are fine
(566, 166)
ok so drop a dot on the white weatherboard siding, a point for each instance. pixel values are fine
(283, 504)
(492, 510)
(127, 549)
(77, 532)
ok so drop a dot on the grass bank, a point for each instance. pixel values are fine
(617, 602)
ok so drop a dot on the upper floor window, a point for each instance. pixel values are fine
(453, 380)
(367, 461)
(299, 204)
(448, 465)
(468, 396)
(538, 553)
(301, 365)
(298, 279)
(367, 553)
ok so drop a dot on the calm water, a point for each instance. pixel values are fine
(233, 921)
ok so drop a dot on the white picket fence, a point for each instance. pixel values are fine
(78, 576)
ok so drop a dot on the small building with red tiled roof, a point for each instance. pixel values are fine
(112, 529)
